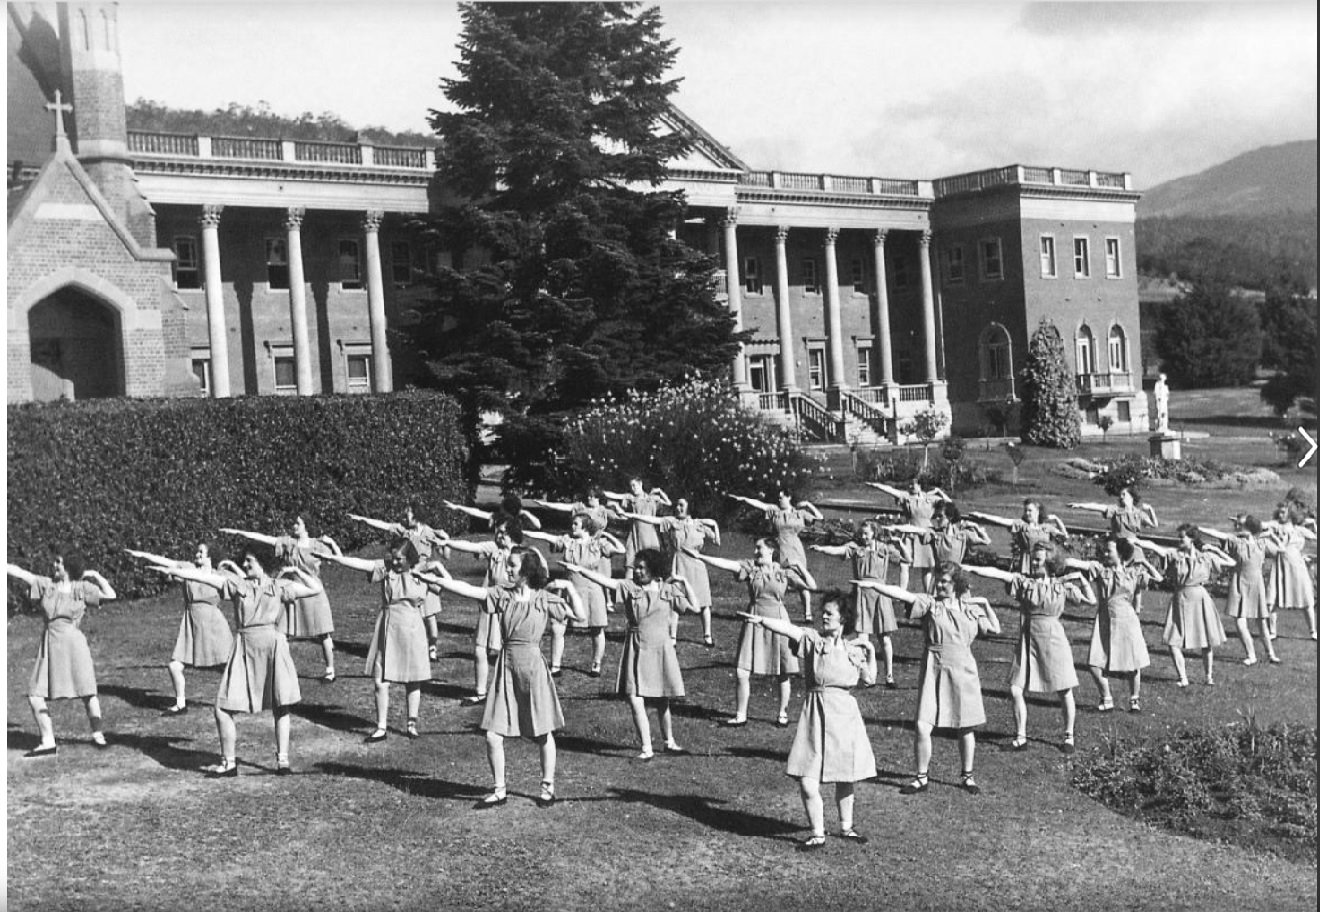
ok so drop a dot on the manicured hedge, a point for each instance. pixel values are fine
(161, 475)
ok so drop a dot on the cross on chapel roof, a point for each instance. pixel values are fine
(59, 107)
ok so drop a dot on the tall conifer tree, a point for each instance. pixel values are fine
(1049, 392)
(566, 283)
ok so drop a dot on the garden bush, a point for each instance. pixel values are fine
(693, 439)
(160, 475)
(899, 466)
(1133, 470)
(1249, 785)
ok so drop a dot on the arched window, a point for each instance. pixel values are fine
(86, 28)
(1085, 350)
(108, 25)
(996, 357)
(1117, 350)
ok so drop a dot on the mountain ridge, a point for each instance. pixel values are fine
(1269, 180)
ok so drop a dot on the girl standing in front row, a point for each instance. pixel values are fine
(1193, 621)
(831, 743)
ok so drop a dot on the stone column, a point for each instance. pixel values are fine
(380, 354)
(928, 308)
(302, 353)
(883, 339)
(730, 225)
(215, 302)
(833, 320)
(784, 311)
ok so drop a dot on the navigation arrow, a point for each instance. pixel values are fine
(1310, 452)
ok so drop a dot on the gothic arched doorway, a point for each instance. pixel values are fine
(76, 347)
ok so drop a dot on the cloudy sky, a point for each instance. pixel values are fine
(867, 88)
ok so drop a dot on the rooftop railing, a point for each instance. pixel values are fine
(833, 183)
(248, 148)
(1031, 175)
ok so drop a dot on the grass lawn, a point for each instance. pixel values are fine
(392, 825)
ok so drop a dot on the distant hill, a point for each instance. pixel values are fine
(1265, 181)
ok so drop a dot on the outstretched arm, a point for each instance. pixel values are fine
(195, 574)
(474, 512)
(938, 494)
(1089, 506)
(752, 502)
(891, 491)
(1214, 533)
(720, 562)
(254, 536)
(438, 575)
(382, 525)
(885, 589)
(541, 536)
(991, 519)
(352, 563)
(649, 520)
(554, 505)
(774, 625)
(467, 547)
(19, 573)
(989, 572)
(831, 550)
(1146, 545)
(1084, 566)
(600, 579)
(157, 558)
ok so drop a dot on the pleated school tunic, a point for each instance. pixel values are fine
(204, 638)
(875, 612)
(787, 526)
(949, 544)
(307, 617)
(398, 644)
(1044, 660)
(688, 533)
(1192, 621)
(585, 552)
(1246, 587)
(497, 577)
(424, 540)
(949, 684)
(830, 744)
(260, 673)
(64, 662)
(918, 510)
(1289, 583)
(640, 535)
(761, 652)
(1128, 523)
(1117, 644)
(522, 701)
(1026, 536)
(648, 666)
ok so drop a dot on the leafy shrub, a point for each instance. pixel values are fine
(160, 475)
(899, 466)
(1131, 470)
(1049, 392)
(925, 426)
(693, 439)
(1257, 785)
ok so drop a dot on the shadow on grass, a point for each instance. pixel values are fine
(696, 711)
(353, 648)
(162, 749)
(580, 744)
(136, 696)
(712, 814)
(757, 753)
(422, 785)
(21, 740)
(445, 691)
(332, 717)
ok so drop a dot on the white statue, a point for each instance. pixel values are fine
(1162, 404)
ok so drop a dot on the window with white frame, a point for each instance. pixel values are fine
(761, 373)
(1049, 265)
(954, 260)
(1113, 262)
(816, 368)
(285, 368)
(1117, 350)
(858, 275)
(992, 259)
(277, 262)
(900, 271)
(1082, 257)
(187, 271)
(864, 349)
(201, 368)
(810, 278)
(1085, 350)
(998, 363)
(358, 372)
(401, 264)
(350, 264)
(752, 282)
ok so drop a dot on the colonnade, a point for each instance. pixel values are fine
(303, 362)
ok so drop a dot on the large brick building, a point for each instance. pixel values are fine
(149, 264)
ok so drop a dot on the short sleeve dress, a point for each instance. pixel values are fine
(585, 552)
(1117, 644)
(522, 701)
(398, 644)
(875, 612)
(497, 577)
(830, 744)
(949, 684)
(640, 535)
(787, 526)
(260, 673)
(918, 510)
(1127, 523)
(1289, 580)
(1192, 621)
(688, 533)
(423, 539)
(307, 617)
(1246, 587)
(600, 515)
(204, 639)
(761, 652)
(1044, 659)
(648, 666)
(950, 544)
(64, 661)
(1026, 536)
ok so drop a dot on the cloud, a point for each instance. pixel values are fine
(1088, 20)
